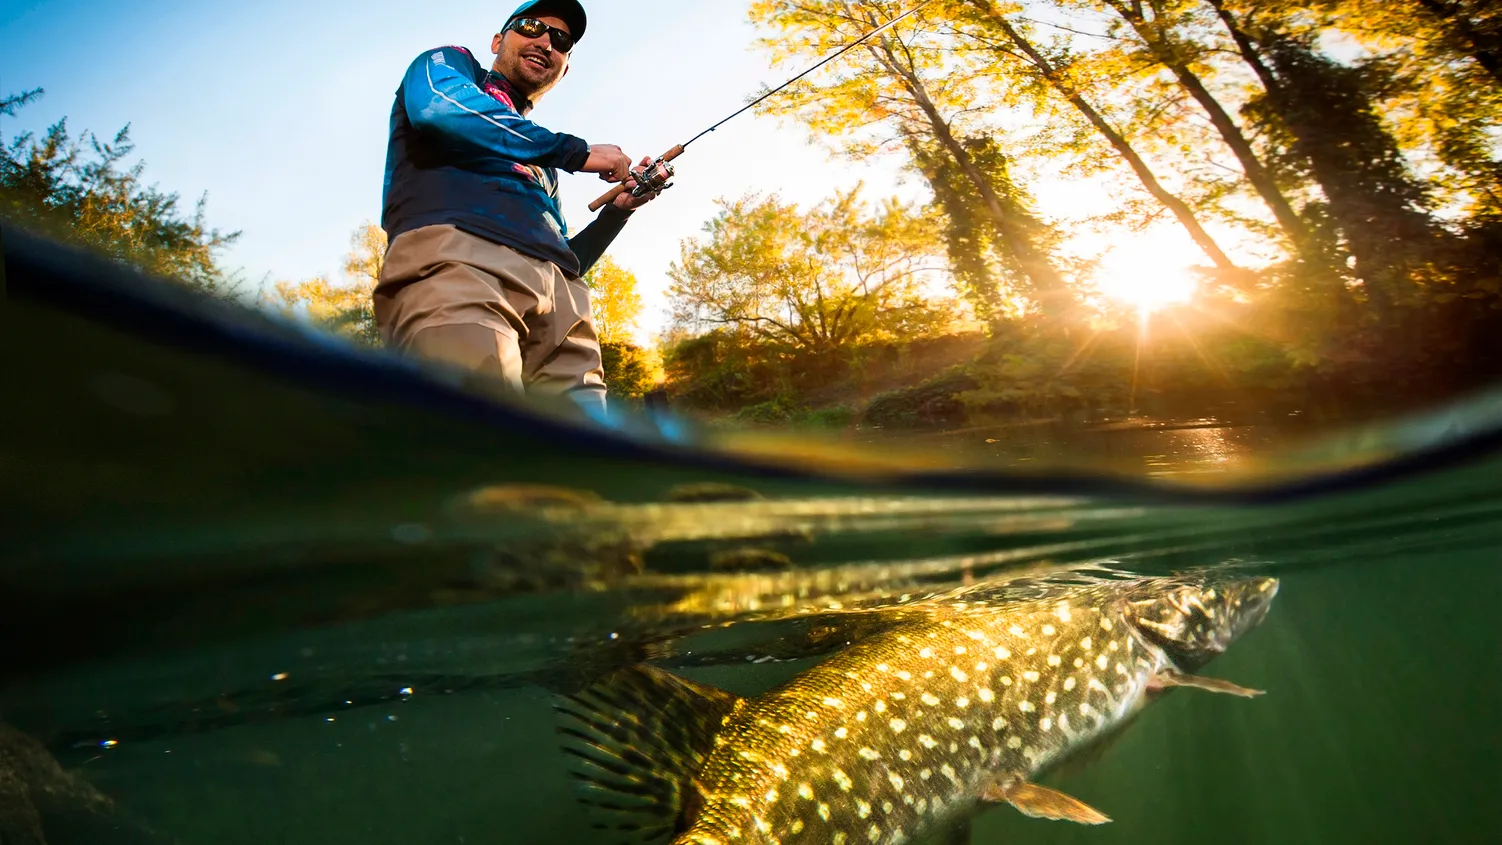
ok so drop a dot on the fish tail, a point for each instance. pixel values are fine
(637, 738)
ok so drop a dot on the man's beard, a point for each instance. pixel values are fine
(526, 84)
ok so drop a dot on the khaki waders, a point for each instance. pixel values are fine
(449, 296)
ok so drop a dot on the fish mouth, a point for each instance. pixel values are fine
(1256, 603)
(1194, 623)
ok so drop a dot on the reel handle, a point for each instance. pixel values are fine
(610, 195)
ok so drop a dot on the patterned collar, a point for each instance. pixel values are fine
(501, 88)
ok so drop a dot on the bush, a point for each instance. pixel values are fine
(840, 416)
(778, 411)
(79, 190)
(934, 403)
(722, 370)
(628, 373)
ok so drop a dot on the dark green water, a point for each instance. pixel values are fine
(399, 694)
(249, 609)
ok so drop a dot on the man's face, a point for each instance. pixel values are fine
(531, 64)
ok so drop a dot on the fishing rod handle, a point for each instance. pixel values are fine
(610, 195)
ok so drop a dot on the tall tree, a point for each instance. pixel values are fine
(1156, 23)
(1426, 67)
(905, 83)
(363, 263)
(970, 236)
(1380, 210)
(1012, 45)
(614, 299)
(1323, 114)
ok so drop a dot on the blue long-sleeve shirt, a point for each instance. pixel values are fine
(463, 152)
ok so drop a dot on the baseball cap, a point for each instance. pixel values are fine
(570, 11)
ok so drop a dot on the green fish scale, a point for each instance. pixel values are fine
(903, 731)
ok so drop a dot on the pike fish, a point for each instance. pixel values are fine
(907, 733)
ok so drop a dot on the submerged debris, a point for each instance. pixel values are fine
(749, 560)
(38, 797)
(712, 491)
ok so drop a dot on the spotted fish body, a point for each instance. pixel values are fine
(904, 733)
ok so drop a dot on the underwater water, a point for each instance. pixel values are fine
(401, 692)
(237, 607)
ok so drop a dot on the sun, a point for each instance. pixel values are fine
(1145, 277)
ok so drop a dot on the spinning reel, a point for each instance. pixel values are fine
(653, 179)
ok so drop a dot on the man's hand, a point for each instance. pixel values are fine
(626, 202)
(609, 161)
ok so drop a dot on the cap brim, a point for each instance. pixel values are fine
(571, 11)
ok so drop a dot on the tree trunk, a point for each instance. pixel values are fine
(1262, 180)
(1048, 284)
(963, 238)
(1118, 142)
(1353, 158)
(1245, 46)
(1358, 166)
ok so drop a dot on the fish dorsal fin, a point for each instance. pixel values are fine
(638, 738)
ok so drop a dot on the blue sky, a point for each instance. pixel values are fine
(279, 109)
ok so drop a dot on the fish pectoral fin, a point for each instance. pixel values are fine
(1175, 679)
(1040, 802)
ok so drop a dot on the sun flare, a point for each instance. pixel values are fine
(1144, 278)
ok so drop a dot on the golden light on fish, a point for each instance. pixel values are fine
(674, 761)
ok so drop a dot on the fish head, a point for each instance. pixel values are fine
(1193, 621)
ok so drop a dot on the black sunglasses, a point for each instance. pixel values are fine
(534, 28)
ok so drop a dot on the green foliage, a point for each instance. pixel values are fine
(781, 409)
(343, 308)
(910, 88)
(614, 301)
(786, 410)
(932, 404)
(719, 369)
(839, 416)
(1346, 153)
(79, 190)
(970, 236)
(812, 282)
(1333, 135)
(1433, 66)
(628, 369)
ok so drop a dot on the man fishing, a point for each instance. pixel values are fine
(479, 272)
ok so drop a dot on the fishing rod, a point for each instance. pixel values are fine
(655, 177)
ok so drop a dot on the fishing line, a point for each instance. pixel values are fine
(656, 176)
